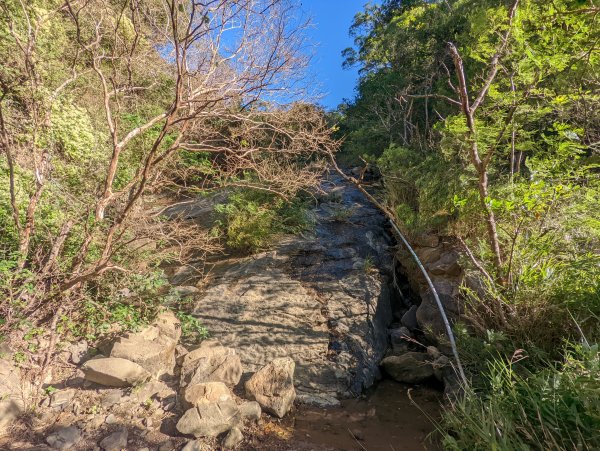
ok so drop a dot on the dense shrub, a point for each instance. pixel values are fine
(493, 140)
(251, 220)
(555, 408)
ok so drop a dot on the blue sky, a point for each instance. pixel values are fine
(332, 19)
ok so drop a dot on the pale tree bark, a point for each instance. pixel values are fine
(469, 110)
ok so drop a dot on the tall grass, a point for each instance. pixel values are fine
(556, 408)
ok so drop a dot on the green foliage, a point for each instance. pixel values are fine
(19, 357)
(108, 310)
(554, 408)
(251, 219)
(192, 328)
(340, 213)
(543, 174)
(72, 130)
(536, 131)
(420, 186)
(50, 390)
(369, 264)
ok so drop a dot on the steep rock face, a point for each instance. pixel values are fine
(441, 260)
(321, 298)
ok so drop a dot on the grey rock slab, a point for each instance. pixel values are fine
(211, 362)
(64, 438)
(114, 372)
(250, 411)
(115, 441)
(233, 438)
(410, 368)
(309, 300)
(209, 420)
(273, 386)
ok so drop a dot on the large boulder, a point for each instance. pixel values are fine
(210, 419)
(211, 362)
(447, 265)
(64, 438)
(442, 262)
(153, 348)
(273, 386)
(115, 441)
(11, 394)
(250, 411)
(157, 356)
(428, 314)
(114, 372)
(205, 393)
(409, 319)
(291, 300)
(410, 368)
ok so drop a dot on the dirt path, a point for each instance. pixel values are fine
(390, 417)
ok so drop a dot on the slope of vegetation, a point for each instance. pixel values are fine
(484, 120)
(107, 106)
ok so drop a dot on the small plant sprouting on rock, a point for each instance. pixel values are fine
(192, 328)
(369, 264)
(50, 390)
(340, 213)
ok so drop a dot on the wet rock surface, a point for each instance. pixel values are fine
(322, 299)
(410, 368)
